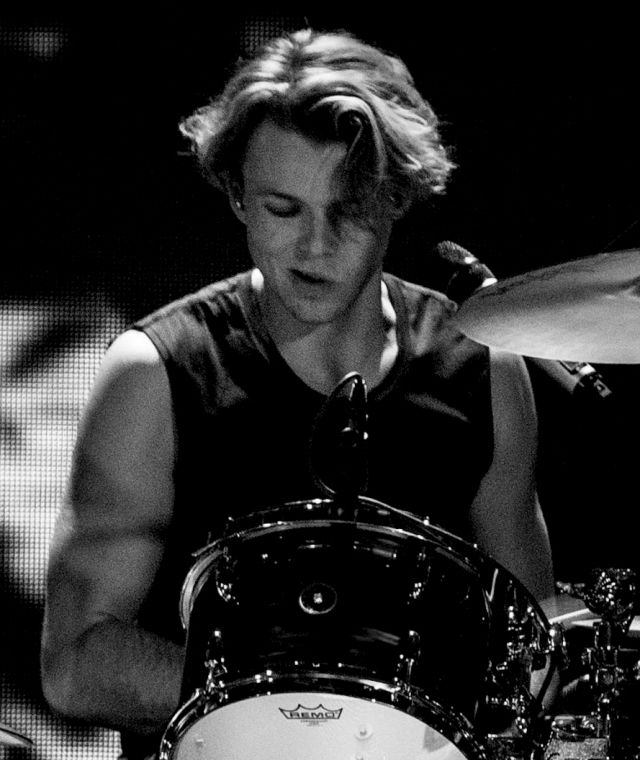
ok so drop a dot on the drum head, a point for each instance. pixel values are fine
(312, 726)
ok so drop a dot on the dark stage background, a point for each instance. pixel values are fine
(105, 217)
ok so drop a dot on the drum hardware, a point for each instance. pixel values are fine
(524, 655)
(224, 576)
(407, 659)
(529, 648)
(604, 732)
(214, 664)
(611, 595)
(521, 739)
(318, 599)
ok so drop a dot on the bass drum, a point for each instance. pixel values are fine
(320, 630)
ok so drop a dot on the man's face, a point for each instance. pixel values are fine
(316, 262)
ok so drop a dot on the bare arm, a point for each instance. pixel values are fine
(506, 517)
(97, 665)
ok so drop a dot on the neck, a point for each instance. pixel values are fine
(363, 340)
(322, 357)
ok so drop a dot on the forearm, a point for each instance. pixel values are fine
(118, 676)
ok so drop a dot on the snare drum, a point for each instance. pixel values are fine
(318, 630)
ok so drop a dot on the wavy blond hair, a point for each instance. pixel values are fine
(329, 86)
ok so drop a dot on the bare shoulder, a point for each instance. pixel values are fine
(131, 376)
(131, 356)
(135, 346)
(131, 370)
(125, 439)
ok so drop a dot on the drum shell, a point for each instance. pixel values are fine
(402, 603)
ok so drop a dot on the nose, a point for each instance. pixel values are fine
(318, 237)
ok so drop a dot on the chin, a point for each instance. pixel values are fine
(315, 313)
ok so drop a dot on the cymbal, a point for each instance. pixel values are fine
(563, 608)
(586, 310)
(572, 614)
(12, 737)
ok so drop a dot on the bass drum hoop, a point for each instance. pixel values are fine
(411, 701)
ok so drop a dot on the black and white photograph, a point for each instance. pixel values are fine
(319, 384)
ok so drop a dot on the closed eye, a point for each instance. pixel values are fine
(282, 211)
(280, 204)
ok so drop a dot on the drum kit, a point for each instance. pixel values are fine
(342, 627)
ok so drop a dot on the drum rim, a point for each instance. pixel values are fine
(464, 551)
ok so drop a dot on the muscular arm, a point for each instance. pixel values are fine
(97, 665)
(506, 517)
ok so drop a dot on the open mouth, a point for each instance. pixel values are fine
(307, 278)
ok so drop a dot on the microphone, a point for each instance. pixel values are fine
(459, 274)
(337, 451)
(354, 433)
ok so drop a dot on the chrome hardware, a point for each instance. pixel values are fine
(318, 599)
(408, 657)
(215, 663)
(602, 733)
(528, 648)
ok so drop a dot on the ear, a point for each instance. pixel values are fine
(237, 207)
(234, 193)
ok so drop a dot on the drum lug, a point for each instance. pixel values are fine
(525, 653)
(557, 645)
(215, 672)
(522, 641)
(215, 664)
(224, 577)
(407, 659)
(512, 697)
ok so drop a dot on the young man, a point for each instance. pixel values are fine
(204, 409)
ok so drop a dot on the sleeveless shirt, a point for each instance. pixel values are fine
(244, 421)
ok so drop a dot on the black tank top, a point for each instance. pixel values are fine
(244, 422)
